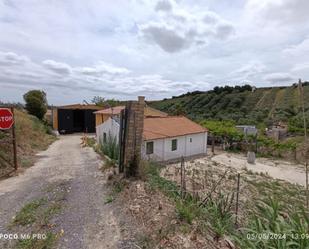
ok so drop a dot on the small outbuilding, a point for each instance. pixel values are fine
(74, 118)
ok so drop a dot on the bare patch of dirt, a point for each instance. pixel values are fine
(278, 169)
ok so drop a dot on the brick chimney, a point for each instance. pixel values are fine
(134, 135)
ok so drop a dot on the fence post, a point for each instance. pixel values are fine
(307, 201)
(181, 177)
(14, 141)
(237, 199)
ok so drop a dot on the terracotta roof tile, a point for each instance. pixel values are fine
(171, 126)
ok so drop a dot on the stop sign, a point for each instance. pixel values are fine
(6, 119)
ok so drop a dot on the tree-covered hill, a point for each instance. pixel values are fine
(243, 104)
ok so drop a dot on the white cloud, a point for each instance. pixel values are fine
(10, 58)
(179, 28)
(301, 67)
(250, 69)
(281, 11)
(103, 78)
(164, 5)
(279, 78)
(57, 67)
(103, 68)
(298, 49)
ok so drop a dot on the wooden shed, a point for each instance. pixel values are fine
(74, 118)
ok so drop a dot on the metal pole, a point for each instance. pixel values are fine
(181, 177)
(237, 198)
(14, 141)
(307, 201)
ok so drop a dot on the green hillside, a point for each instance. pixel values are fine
(241, 104)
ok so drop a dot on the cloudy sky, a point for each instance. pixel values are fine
(77, 49)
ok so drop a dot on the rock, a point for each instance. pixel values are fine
(135, 208)
(160, 205)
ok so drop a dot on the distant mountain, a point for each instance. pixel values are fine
(243, 104)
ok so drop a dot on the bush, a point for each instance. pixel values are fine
(36, 103)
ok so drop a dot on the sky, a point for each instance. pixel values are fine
(75, 49)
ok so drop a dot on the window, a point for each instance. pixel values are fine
(149, 148)
(174, 144)
(190, 139)
(104, 137)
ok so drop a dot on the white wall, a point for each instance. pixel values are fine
(162, 150)
(110, 126)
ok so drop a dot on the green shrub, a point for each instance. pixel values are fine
(36, 103)
(219, 214)
(110, 147)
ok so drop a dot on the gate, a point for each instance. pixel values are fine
(8, 153)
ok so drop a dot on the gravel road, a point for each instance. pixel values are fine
(86, 221)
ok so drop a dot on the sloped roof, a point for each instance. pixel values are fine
(152, 112)
(149, 111)
(171, 126)
(113, 110)
(80, 106)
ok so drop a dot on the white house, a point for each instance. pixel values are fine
(109, 128)
(168, 138)
(164, 138)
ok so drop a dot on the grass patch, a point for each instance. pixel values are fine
(34, 243)
(109, 199)
(51, 210)
(28, 214)
(187, 210)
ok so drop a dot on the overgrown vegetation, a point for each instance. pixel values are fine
(214, 215)
(272, 226)
(274, 212)
(110, 147)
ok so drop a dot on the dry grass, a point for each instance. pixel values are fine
(31, 136)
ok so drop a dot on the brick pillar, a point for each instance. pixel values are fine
(134, 135)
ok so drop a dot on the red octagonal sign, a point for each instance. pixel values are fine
(6, 119)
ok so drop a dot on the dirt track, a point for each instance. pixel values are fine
(85, 220)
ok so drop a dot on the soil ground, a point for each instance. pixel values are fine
(277, 169)
(84, 221)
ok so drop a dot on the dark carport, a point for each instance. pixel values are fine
(74, 118)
